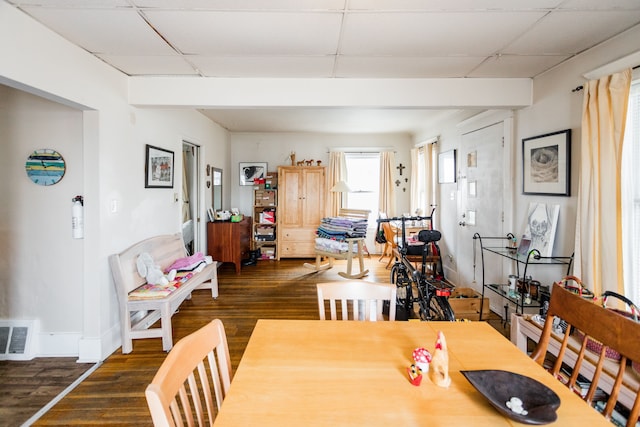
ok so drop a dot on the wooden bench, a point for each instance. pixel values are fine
(138, 315)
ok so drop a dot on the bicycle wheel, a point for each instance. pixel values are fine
(404, 295)
(436, 309)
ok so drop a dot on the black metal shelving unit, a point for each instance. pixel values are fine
(498, 246)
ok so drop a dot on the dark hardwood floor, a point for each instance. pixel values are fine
(114, 392)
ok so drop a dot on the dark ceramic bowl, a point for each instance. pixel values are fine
(539, 401)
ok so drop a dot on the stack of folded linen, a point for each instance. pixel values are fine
(340, 228)
(333, 231)
(331, 246)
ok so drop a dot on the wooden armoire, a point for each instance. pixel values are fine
(301, 206)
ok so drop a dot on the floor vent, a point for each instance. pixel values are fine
(15, 339)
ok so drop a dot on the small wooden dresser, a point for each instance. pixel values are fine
(229, 241)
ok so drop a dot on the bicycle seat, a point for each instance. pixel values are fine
(428, 236)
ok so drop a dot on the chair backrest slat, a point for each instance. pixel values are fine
(169, 401)
(364, 300)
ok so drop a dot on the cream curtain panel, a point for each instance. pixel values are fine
(415, 202)
(387, 203)
(337, 172)
(598, 240)
(422, 179)
(427, 159)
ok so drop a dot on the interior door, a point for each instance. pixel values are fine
(480, 204)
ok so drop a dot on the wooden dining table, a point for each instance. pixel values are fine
(348, 373)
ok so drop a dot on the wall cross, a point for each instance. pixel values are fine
(400, 168)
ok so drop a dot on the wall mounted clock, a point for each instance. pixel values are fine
(45, 166)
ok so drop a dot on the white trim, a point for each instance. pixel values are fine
(620, 64)
(432, 140)
(360, 149)
(484, 119)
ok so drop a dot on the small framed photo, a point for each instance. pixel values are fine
(546, 164)
(210, 214)
(251, 171)
(158, 168)
(523, 247)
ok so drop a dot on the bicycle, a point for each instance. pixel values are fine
(432, 292)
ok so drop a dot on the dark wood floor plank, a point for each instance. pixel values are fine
(114, 393)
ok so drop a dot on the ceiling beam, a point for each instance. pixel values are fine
(314, 93)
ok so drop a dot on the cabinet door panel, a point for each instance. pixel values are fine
(290, 197)
(314, 189)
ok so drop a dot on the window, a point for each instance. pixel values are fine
(363, 172)
(631, 197)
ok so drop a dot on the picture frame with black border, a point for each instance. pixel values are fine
(158, 167)
(447, 167)
(252, 170)
(546, 164)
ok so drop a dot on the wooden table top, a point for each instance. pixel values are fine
(332, 373)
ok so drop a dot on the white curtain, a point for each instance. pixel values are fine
(422, 179)
(598, 239)
(186, 197)
(337, 172)
(387, 201)
(415, 187)
(631, 197)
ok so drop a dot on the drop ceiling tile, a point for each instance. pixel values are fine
(242, 4)
(150, 65)
(85, 4)
(514, 66)
(600, 5)
(402, 67)
(432, 34)
(452, 5)
(117, 31)
(564, 33)
(271, 66)
(250, 33)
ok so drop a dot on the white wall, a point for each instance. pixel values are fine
(114, 135)
(274, 148)
(35, 221)
(555, 108)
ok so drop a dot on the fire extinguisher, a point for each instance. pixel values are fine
(77, 218)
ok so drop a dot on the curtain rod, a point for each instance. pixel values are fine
(579, 88)
(360, 150)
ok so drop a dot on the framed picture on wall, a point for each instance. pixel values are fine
(250, 171)
(447, 167)
(546, 164)
(158, 168)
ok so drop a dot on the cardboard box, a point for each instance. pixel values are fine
(267, 217)
(267, 252)
(265, 198)
(466, 304)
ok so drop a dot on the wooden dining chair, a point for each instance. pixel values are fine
(357, 299)
(611, 329)
(181, 391)
(391, 244)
